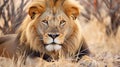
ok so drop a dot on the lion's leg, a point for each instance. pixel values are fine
(84, 56)
(87, 61)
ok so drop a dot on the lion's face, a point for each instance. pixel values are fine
(52, 25)
(54, 29)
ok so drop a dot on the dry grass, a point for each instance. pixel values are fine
(106, 49)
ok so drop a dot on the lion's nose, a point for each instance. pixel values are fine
(53, 35)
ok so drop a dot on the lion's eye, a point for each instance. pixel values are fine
(62, 22)
(45, 22)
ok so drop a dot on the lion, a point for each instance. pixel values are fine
(51, 30)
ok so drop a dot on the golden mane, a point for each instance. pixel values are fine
(27, 31)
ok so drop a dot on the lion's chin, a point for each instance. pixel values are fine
(51, 47)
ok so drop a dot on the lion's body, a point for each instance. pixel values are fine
(51, 28)
(8, 45)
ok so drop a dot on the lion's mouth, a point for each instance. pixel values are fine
(53, 43)
(53, 47)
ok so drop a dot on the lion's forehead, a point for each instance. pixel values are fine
(50, 15)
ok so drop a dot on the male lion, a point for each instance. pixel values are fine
(51, 30)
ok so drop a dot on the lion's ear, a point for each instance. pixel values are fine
(35, 9)
(71, 9)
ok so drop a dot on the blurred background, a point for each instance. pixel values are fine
(99, 19)
(12, 13)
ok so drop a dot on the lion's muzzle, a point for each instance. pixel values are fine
(53, 38)
(53, 41)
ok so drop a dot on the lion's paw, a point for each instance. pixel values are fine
(86, 61)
